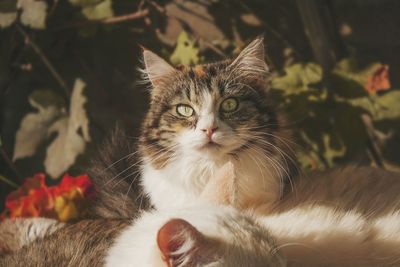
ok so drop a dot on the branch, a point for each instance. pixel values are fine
(45, 60)
(132, 16)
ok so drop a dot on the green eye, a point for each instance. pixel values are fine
(229, 105)
(184, 110)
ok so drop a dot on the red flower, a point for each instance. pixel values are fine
(65, 201)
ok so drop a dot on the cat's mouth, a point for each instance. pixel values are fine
(210, 145)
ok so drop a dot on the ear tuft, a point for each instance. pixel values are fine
(251, 60)
(157, 69)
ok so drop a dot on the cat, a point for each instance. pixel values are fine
(84, 243)
(308, 233)
(197, 235)
(14, 234)
(343, 217)
(204, 116)
(201, 234)
(155, 170)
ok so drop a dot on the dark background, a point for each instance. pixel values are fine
(305, 42)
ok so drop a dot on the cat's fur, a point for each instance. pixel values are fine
(198, 235)
(221, 237)
(178, 158)
(115, 175)
(16, 233)
(344, 217)
(84, 243)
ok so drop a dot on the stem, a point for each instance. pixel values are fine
(11, 165)
(45, 60)
(7, 181)
(132, 16)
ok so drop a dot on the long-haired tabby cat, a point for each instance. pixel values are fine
(309, 233)
(199, 118)
(204, 116)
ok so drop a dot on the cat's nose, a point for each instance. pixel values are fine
(210, 131)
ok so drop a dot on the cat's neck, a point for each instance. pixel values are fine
(182, 180)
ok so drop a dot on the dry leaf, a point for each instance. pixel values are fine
(73, 133)
(33, 129)
(101, 10)
(8, 13)
(33, 13)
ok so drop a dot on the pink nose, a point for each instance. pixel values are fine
(210, 131)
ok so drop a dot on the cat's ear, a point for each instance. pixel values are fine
(251, 61)
(180, 241)
(156, 68)
(221, 189)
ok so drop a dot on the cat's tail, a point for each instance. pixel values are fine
(115, 174)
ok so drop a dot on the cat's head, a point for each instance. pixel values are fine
(214, 109)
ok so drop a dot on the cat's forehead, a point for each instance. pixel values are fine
(202, 84)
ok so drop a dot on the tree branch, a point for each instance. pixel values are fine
(45, 60)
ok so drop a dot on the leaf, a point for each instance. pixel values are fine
(349, 80)
(379, 80)
(34, 126)
(384, 107)
(330, 152)
(33, 13)
(8, 13)
(186, 51)
(98, 11)
(73, 133)
(298, 78)
(85, 2)
(6, 19)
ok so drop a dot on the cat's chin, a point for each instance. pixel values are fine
(210, 148)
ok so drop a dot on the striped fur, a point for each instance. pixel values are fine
(176, 161)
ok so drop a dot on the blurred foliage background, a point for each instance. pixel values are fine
(68, 73)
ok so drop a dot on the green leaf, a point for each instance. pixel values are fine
(85, 2)
(33, 13)
(101, 10)
(330, 152)
(186, 51)
(72, 134)
(384, 107)
(298, 78)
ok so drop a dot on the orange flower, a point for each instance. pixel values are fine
(65, 201)
(379, 80)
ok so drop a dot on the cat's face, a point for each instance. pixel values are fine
(214, 110)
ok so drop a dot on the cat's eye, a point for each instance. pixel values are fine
(184, 110)
(229, 105)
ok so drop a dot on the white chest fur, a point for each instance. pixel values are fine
(182, 181)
